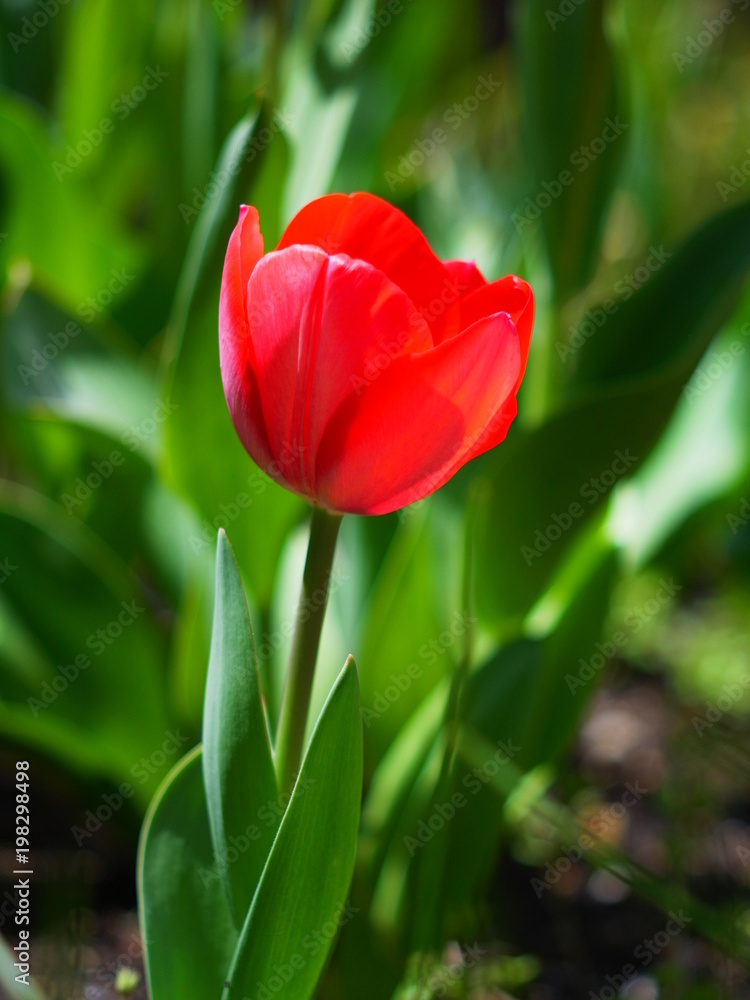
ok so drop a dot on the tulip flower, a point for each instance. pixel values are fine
(360, 371)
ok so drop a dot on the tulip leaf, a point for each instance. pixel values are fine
(523, 702)
(575, 138)
(679, 309)
(212, 213)
(76, 658)
(188, 934)
(414, 624)
(237, 761)
(447, 863)
(558, 487)
(199, 104)
(74, 254)
(289, 930)
(395, 776)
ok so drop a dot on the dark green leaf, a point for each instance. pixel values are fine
(289, 930)
(188, 934)
(237, 761)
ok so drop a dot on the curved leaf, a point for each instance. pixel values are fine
(187, 931)
(300, 899)
(237, 762)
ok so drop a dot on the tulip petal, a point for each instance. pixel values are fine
(467, 276)
(367, 228)
(237, 358)
(511, 295)
(323, 328)
(421, 421)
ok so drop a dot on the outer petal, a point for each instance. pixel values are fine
(511, 295)
(466, 274)
(367, 228)
(323, 328)
(420, 422)
(237, 358)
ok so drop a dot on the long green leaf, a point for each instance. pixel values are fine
(186, 926)
(574, 136)
(679, 309)
(300, 900)
(206, 228)
(237, 761)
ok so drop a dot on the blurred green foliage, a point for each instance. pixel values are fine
(606, 167)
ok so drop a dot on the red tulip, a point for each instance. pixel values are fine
(359, 370)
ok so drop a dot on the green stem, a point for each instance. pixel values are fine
(295, 703)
